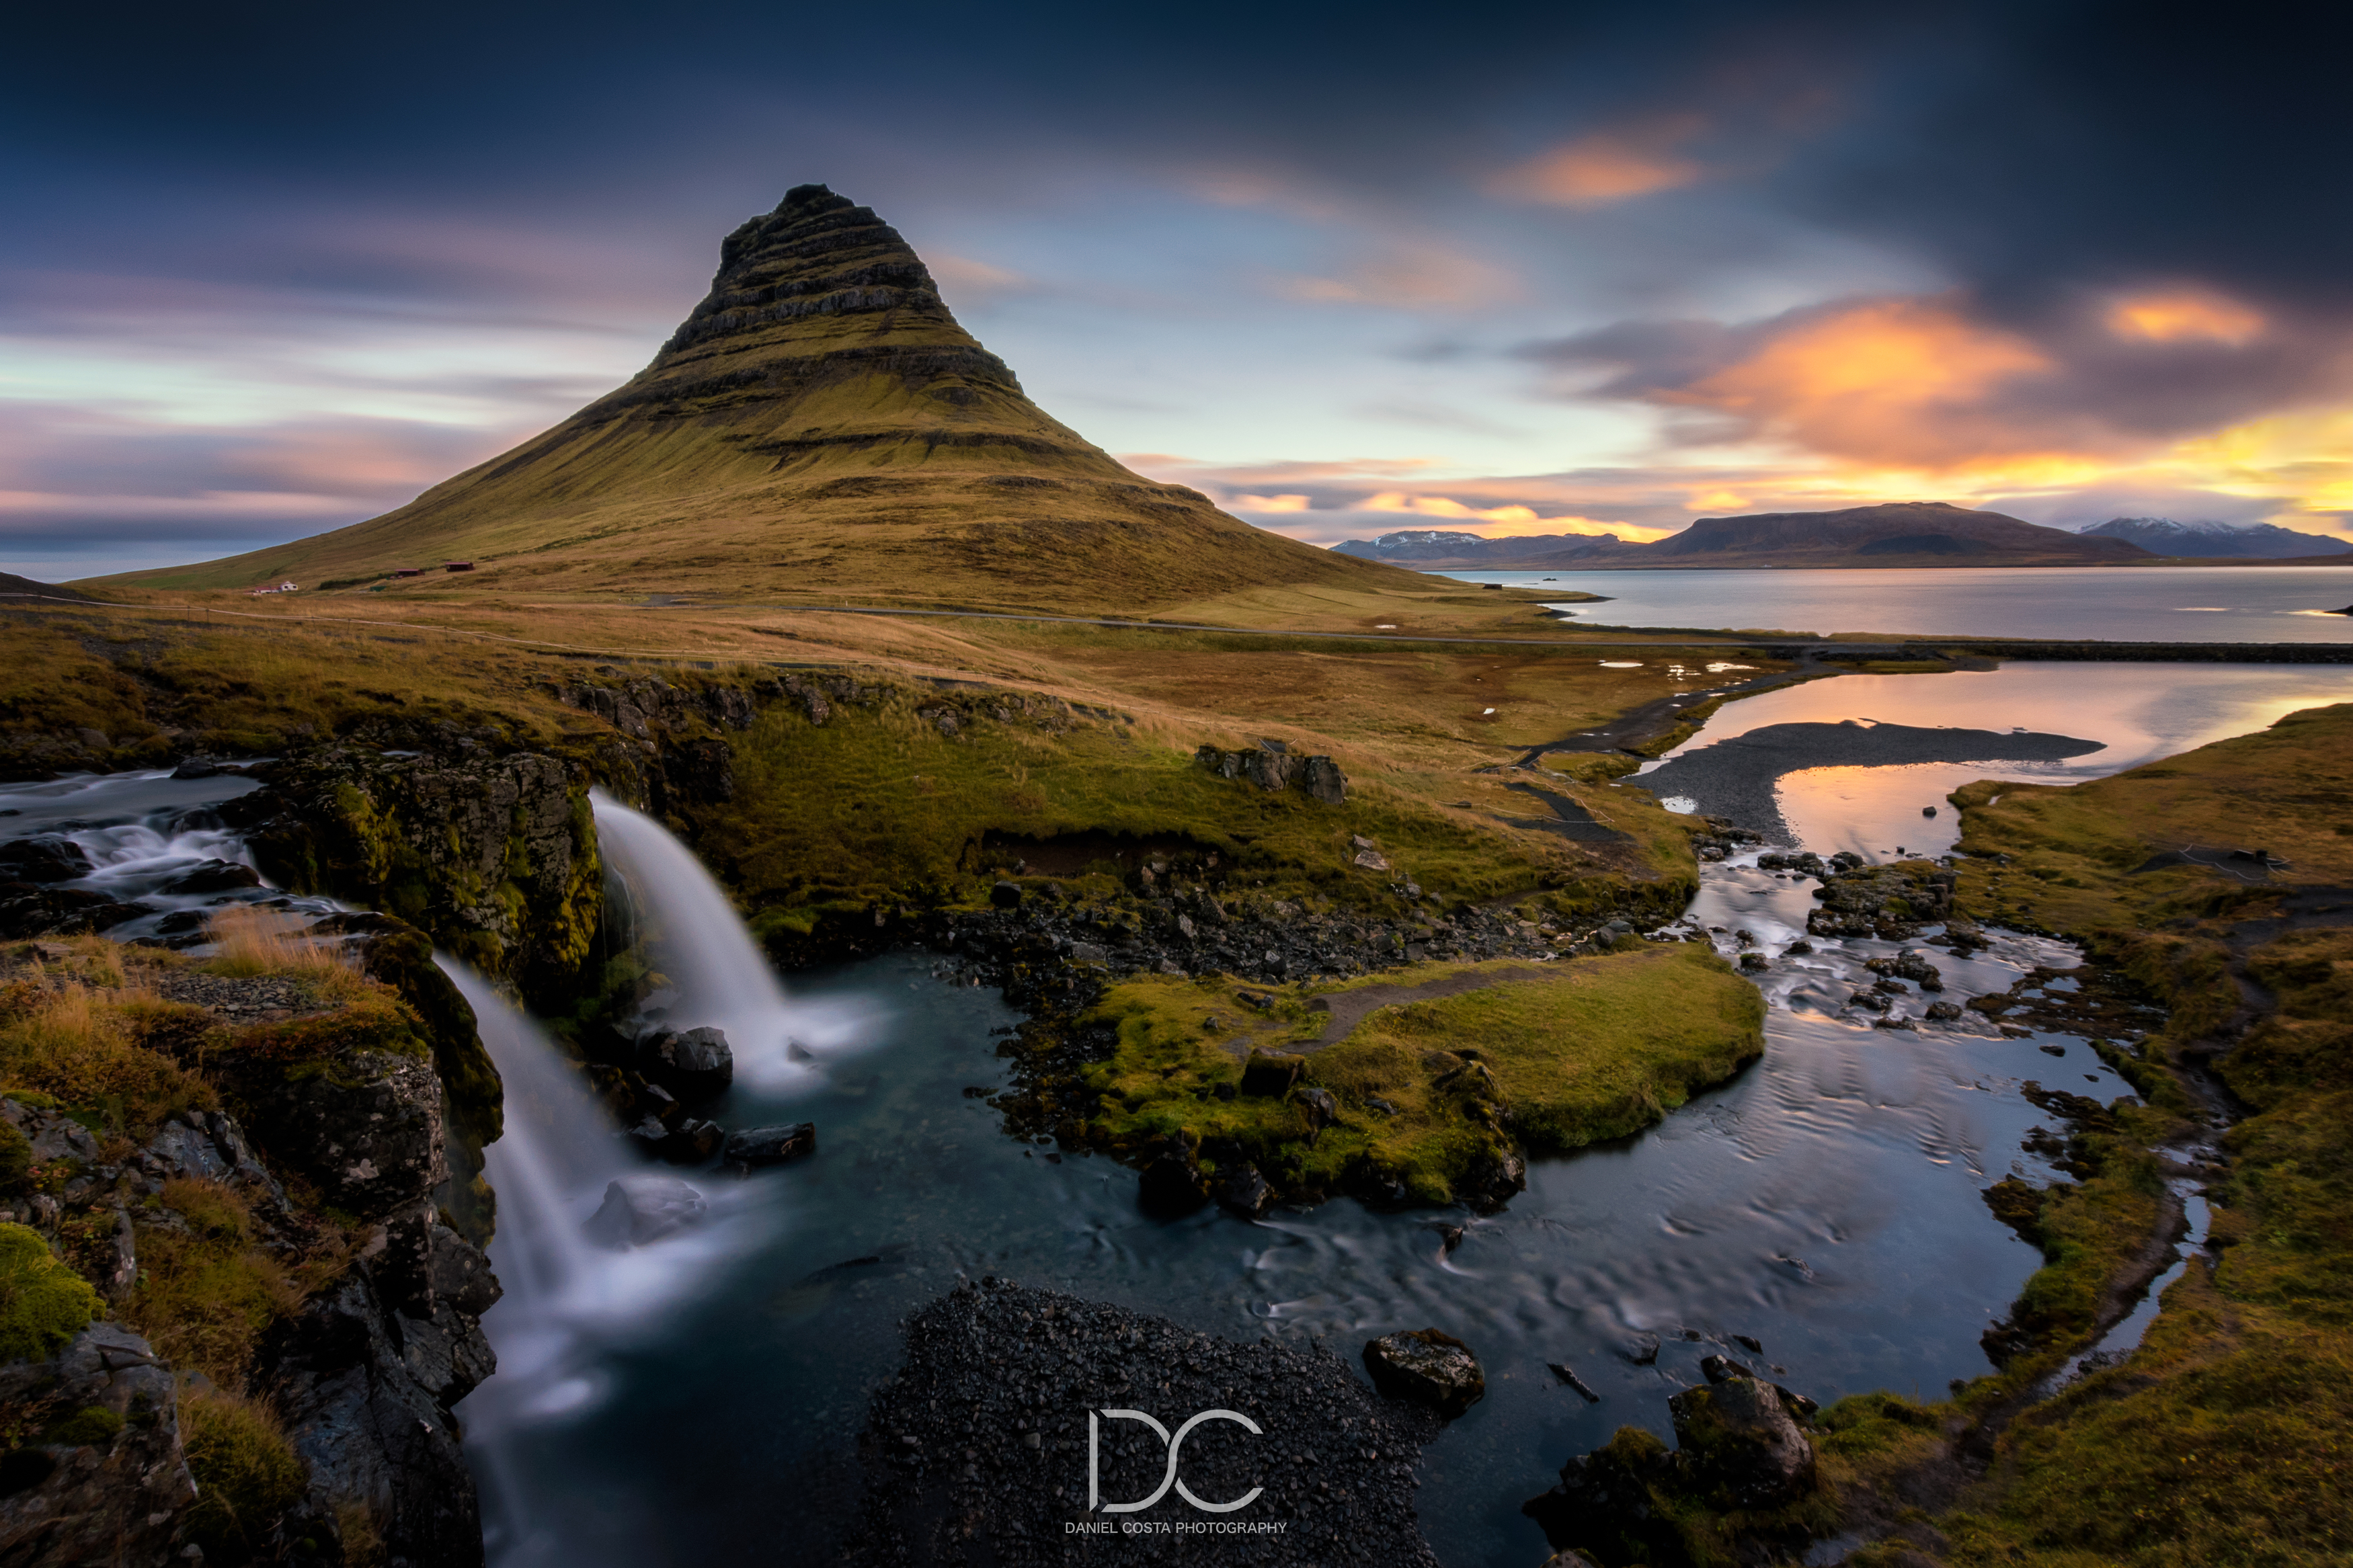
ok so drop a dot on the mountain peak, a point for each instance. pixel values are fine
(2199, 540)
(820, 421)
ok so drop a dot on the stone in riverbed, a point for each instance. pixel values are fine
(211, 877)
(1737, 1439)
(695, 1064)
(1245, 1192)
(47, 858)
(755, 1147)
(1427, 1366)
(640, 1209)
(1172, 1185)
(690, 1142)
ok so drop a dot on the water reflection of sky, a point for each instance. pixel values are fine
(2142, 711)
(2172, 603)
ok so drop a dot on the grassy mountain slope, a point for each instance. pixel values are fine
(818, 428)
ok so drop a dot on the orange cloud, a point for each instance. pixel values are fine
(2173, 318)
(1418, 278)
(1504, 521)
(1891, 382)
(1271, 504)
(1600, 170)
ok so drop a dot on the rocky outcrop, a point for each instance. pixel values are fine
(1891, 903)
(493, 857)
(1741, 1450)
(102, 1478)
(1273, 769)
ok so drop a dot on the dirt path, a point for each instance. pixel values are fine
(1350, 1008)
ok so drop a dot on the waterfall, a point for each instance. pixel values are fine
(568, 1303)
(720, 975)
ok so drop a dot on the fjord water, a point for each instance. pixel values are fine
(2149, 603)
(2139, 712)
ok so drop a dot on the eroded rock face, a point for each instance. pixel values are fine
(493, 857)
(96, 1495)
(1429, 1367)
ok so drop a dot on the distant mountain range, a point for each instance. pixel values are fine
(1902, 533)
(2240, 541)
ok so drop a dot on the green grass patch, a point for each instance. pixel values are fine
(1578, 1052)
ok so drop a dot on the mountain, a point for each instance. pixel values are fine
(1431, 546)
(11, 585)
(818, 427)
(2249, 540)
(1902, 533)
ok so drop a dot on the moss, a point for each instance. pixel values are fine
(16, 1158)
(86, 1427)
(1553, 1056)
(247, 1475)
(43, 1303)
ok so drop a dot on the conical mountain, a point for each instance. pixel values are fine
(820, 424)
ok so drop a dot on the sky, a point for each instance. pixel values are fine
(1565, 267)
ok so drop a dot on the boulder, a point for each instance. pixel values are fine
(754, 1148)
(1737, 1442)
(1172, 1185)
(640, 1209)
(1607, 1502)
(1429, 1367)
(1272, 1073)
(694, 1064)
(690, 1142)
(105, 1482)
(196, 768)
(211, 877)
(26, 909)
(1321, 1108)
(1245, 1192)
(47, 858)
(1005, 896)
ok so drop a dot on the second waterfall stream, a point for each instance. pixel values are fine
(570, 1305)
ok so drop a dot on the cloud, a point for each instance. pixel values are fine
(1607, 167)
(2173, 317)
(963, 279)
(1410, 277)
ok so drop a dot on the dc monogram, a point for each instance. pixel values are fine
(1094, 1439)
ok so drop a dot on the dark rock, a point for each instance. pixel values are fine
(367, 1392)
(1172, 1185)
(211, 877)
(47, 858)
(1245, 1192)
(690, 1142)
(640, 1209)
(1429, 1367)
(1323, 1109)
(754, 1148)
(461, 1274)
(1943, 1012)
(115, 1497)
(695, 1064)
(1605, 1503)
(1736, 1441)
(1753, 1346)
(196, 768)
(1568, 1375)
(1909, 966)
(1449, 1236)
(26, 911)
(1271, 1073)
(1005, 896)
(1643, 1350)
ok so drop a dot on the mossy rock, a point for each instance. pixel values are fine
(16, 1158)
(88, 1428)
(43, 1303)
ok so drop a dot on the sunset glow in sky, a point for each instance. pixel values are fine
(1572, 270)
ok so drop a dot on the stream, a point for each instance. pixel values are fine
(698, 1398)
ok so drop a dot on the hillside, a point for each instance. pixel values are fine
(1902, 533)
(2217, 541)
(818, 427)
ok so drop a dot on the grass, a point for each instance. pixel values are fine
(207, 1290)
(247, 1475)
(1576, 1053)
